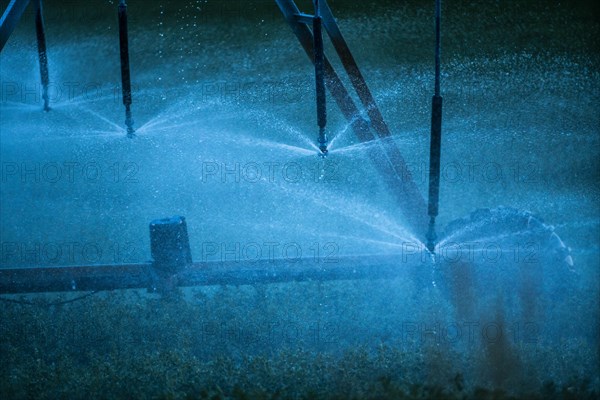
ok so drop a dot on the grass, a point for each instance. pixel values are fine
(221, 343)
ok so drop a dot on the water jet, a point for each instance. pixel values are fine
(363, 117)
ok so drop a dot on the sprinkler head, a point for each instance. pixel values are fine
(431, 236)
(324, 151)
(130, 130)
(129, 123)
(323, 142)
(431, 246)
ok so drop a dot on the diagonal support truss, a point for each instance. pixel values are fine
(8, 22)
(10, 18)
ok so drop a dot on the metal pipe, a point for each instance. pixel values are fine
(438, 45)
(436, 136)
(125, 72)
(172, 266)
(320, 78)
(43, 57)
(207, 273)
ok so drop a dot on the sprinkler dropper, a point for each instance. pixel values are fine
(323, 142)
(42, 55)
(129, 122)
(320, 78)
(436, 136)
(431, 235)
(125, 72)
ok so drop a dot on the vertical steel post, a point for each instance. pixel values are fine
(43, 57)
(320, 77)
(125, 72)
(436, 136)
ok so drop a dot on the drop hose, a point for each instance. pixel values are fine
(436, 137)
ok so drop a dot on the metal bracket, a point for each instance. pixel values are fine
(171, 254)
(304, 18)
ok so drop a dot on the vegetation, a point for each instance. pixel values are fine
(330, 341)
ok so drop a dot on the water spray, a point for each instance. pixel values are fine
(436, 136)
(320, 78)
(125, 73)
